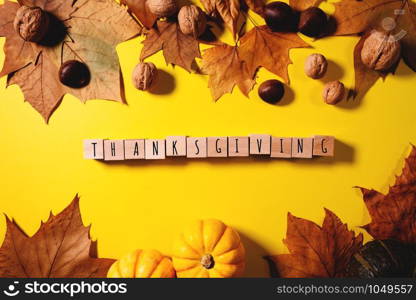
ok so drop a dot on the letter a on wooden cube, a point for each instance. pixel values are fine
(302, 147)
(217, 146)
(134, 149)
(113, 149)
(94, 149)
(281, 147)
(238, 146)
(176, 146)
(196, 147)
(155, 149)
(323, 145)
(260, 144)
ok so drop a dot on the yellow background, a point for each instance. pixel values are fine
(145, 204)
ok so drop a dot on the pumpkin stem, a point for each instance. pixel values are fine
(207, 261)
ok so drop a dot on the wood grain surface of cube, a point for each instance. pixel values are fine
(260, 144)
(302, 147)
(196, 147)
(176, 146)
(155, 149)
(217, 146)
(281, 147)
(238, 146)
(323, 145)
(94, 149)
(134, 149)
(113, 149)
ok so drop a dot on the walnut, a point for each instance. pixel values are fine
(333, 92)
(315, 66)
(162, 8)
(380, 51)
(31, 23)
(192, 20)
(144, 76)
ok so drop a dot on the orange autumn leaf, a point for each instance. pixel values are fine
(316, 251)
(142, 12)
(393, 216)
(303, 4)
(257, 6)
(229, 10)
(60, 248)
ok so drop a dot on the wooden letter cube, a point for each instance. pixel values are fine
(281, 147)
(154, 149)
(176, 146)
(238, 146)
(196, 147)
(260, 144)
(217, 146)
(94, 149)
(134, 149)
(113, 149)
(323, 145)
(302, 147)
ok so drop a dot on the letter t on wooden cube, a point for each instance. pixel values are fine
(176, 146)
(113, 149)
(323, 145)
(94, 149)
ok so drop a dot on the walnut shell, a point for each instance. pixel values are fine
(380, 51)
(144, 75)
(192, 20)
(316, 66)
(31, 23)
(333, 92)
(162, 8)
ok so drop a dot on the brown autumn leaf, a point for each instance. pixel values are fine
(178, 48)
(257, 6)
(260, 47)
(61, 248)
(141, 11)
(393, 216)
(229, 11)
(300, 5)
(316, 251)
(398, 17)
(90, 31)
(225, 68)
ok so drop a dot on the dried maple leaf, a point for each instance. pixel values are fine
(303, 4)
(393, 216)
(256, 5)
(316, 251)
(229, 10)
(178, 48)
(226, 70)
(60, 248)
(141, 11)
(92, 29)
(260, 47)
(398, 17)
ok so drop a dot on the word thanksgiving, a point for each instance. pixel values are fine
(203, 147)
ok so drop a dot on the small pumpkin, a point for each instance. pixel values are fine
(208, 249)
(142, 264)
(383, 258)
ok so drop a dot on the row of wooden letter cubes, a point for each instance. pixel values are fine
(202, 147)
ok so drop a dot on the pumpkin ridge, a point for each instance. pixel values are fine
(156, 265)
(136, 262)
(192, 267)
(219, 238)
(189, 246)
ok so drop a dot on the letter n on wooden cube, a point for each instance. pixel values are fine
(281, 147)
(260, 144)
(134, 149)
(196, 147)
(155, 149)
(94, 149)
(238, 146)
(113, 149)
(302, 147)
(217, 146)
(323, 145)
(176, 146)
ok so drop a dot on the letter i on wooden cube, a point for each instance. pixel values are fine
(113, 149)
(302, 147)
(134, 149)
(155, 149)
(238, 146)
(323, 145)
(281, 147)
(176, 146)
(217, 147)
(94, 149)
(260, 144)
(196, 147)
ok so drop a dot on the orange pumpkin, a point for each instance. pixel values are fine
(208, 248)
(142, 264)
